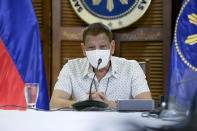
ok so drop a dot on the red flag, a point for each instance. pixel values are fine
(11, 83)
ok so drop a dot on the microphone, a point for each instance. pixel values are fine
(90, 105)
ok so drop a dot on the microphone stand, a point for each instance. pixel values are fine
(90, 105)
(90, 92)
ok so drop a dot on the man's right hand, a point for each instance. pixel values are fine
(99, 96)
(96, 96)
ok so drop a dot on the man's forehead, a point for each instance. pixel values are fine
(97, 35)
(100, 37)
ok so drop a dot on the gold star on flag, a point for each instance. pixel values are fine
(192, 39)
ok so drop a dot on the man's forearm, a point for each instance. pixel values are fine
(145, 95)
(60, 103)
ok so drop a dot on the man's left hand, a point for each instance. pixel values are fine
(99, 96)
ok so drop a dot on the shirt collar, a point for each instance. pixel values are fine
(113, 69)
(88, 68)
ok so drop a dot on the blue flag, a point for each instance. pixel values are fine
(182, 81)
(20, 41)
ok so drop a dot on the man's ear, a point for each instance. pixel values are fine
(112, 47)
(83, 48)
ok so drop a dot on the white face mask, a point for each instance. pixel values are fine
(94, 55)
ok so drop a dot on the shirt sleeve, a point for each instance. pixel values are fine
(139, 84)
(64, 82)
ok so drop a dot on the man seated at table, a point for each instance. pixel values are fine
(116, 78)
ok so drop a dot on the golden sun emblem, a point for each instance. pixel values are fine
(192, 39)
(110, 3)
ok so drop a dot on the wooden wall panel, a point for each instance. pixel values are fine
(153, 17)
(68, 16)
(38, 7)
(70, 50)
(147, 50)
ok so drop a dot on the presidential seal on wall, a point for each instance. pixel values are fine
(114, 13)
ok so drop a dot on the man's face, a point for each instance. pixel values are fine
(100, 41)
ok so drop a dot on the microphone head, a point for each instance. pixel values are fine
(99, 61)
